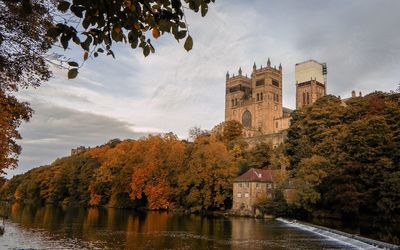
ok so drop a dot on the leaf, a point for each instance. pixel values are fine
(146, 51)
(86, 44)
(53, 32)
(95, 54)
(72, 73)
(181, 34)
(73, 64)
(204, 9)
(156, 32)
(64, 41)
(110, 52)
(100, 50)
(85, 55)
(86, 22)
(63, 6)
(188, 43)
(164, 25)
(76, 39)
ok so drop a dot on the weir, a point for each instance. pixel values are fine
(349, 239)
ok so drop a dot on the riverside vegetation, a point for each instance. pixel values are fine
(343, 160)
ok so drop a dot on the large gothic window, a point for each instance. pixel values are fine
(246, 119)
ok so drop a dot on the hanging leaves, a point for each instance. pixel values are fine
(188, 43)
(129, 22)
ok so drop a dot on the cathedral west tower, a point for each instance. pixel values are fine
(256, 101)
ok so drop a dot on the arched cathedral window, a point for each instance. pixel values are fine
(246, 119)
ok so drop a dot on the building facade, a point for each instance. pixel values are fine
(310, 82)
(251, 188)
(256, 101)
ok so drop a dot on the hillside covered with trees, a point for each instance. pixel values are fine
(343, 161)
(156, 172)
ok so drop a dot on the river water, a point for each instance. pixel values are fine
(52, 227)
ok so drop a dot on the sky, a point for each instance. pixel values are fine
(174, 90)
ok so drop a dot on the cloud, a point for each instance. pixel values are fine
(173, 90)
(54, 131)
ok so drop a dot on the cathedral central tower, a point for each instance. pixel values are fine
(256, 101)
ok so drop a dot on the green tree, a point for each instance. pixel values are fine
(307, 179)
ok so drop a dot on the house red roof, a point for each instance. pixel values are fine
(253, 174)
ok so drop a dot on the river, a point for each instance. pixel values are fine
(50, 227)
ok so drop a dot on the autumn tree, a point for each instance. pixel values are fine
(155, 177)
(232, 130)
(207, 184)
(12, 113)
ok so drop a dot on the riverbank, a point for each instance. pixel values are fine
(355, 240)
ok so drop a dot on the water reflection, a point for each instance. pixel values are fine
(124, 229)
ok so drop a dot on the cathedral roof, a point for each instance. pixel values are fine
(259, 175)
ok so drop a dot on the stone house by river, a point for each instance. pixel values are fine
(252, 187)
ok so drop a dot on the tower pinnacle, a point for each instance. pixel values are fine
(268, 63)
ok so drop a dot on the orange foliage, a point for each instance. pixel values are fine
(94, 199)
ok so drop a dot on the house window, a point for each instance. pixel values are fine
(304, 98)
(308, 98)
(247, 184)
(261, 95)
(275, 82)
(240, 184)
(257, 184)
(258, 96)
(246, 195)
(269, 185)
(276, 124)
(239, 195)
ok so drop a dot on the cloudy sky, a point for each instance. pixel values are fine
(172, 90)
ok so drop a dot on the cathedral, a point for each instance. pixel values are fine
(256, 101)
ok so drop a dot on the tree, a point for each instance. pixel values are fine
(23, 43)
(131, 22)
(207, 183)
(232, 130)
(12, 113)
(309, 175)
